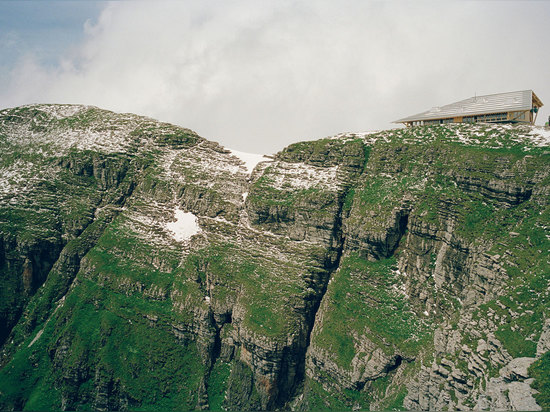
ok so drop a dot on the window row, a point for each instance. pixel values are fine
(493, 117)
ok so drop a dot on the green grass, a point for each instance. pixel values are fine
(262, 288)
(540, 371)
(380, 191)
(106, 333)
(348, 200)
(26, 382)
(394, 402)
(303, 151)
(217, 384)
(165, 134)
(515, 342)
(109, 257)
(264, 194)
(362, 294)
(318, 399)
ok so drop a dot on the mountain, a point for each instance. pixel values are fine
(145, 267)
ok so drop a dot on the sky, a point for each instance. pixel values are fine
(259, 75)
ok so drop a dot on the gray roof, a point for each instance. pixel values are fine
(493, 103)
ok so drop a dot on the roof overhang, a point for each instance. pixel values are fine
(536, 101)
(495, 103)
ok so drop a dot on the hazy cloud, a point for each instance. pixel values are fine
(258, 75)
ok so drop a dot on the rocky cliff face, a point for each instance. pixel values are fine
(145, 266)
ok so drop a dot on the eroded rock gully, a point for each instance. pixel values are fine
(278, 368)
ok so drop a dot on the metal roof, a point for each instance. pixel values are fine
(492, 103)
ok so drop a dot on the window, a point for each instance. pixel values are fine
(518, 116)
(439, 121)
(493, 117)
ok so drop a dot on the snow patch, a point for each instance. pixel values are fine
(245, 195)
(355, 135)
(541, 136)
(36, 337)
(250, 160)
(185, 226)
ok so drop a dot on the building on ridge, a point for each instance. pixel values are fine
(511, 107)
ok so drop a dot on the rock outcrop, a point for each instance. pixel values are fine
(144, 266)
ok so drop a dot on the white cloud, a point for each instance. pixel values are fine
(259, 75)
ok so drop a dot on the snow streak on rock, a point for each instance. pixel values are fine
(303, 176)
(58, 129)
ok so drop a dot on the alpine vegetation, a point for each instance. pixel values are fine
(145, 267)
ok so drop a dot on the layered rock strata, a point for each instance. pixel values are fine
(145, 266)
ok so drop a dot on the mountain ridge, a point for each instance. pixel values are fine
(431, 242)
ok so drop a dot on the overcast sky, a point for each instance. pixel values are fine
(258, 75)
